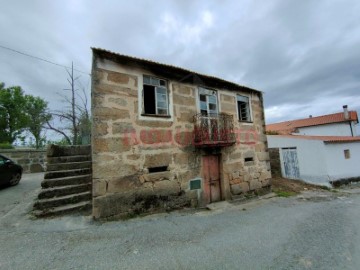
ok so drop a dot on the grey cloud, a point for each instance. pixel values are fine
(298, 52)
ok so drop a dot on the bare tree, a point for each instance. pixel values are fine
(75, 115)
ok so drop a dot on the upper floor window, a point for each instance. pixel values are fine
(208, 102)
(155, 96)
(243, 106)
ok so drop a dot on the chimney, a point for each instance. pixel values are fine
(346, 112)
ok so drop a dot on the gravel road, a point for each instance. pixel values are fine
(316, 230)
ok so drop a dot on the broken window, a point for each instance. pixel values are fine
(243, 106)
(155, 97)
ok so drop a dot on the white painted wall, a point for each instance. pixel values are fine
(338, 129)
(311, 156)
(338, 166)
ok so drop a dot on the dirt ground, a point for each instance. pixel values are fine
(288, 187)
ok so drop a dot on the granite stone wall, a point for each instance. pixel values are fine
(31, 160)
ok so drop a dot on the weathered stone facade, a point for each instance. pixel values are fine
(275, 162)
(125, 144)
(31, 160)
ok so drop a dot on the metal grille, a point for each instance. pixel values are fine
(214, 129)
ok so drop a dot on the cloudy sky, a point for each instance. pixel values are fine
(304, 55)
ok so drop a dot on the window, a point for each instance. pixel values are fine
(347, 153)
(208, 102)
(243, 108)
(155, 97)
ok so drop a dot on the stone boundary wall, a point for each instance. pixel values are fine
(275, 162)
(31, 160)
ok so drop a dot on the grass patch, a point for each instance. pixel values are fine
(284, 194)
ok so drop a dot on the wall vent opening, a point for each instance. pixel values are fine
(158, 169)
(247, 159)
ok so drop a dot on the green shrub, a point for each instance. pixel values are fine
(6, 146)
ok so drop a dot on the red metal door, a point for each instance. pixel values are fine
(212, 188)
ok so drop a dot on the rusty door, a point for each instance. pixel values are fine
(211, 172)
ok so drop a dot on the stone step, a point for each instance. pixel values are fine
(63, 190)
(66, 173)
(63, 200)
(69, 166)
(72, 150)
(66, 159)
(81, 207)
(65, 181)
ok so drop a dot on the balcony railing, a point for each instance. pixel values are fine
(214, 130)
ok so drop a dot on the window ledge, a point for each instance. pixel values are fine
(156, 115)
(246, 122)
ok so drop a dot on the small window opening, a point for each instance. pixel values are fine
(243, 107)
(158, 169)
(247, 159)
(347, 153)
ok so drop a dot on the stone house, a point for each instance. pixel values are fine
(164, 137)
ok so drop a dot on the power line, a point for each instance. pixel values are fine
(41, 59)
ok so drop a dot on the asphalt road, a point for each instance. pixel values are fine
(311, 231)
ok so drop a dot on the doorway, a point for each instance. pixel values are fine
(291, 163)
(211, 176)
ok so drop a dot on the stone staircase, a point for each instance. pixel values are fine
(66, 186)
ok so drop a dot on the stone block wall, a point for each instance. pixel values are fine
(246, 164)
(125, 145)
(31, 160)
(275, 162)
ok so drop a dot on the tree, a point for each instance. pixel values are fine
(75, 115)
(19, 112)
(13, 120)
(37, 113)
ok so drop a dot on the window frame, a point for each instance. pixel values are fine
(250, 118)
(157, 87)
(208, 92)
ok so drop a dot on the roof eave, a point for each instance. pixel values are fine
(176, 73)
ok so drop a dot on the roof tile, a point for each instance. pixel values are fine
(289, 127)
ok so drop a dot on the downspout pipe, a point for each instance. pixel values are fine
(347, 117)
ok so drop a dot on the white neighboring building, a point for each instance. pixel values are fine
(318, 149)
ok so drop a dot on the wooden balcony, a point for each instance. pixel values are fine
(214, 130)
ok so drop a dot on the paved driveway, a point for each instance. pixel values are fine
(311, 231)
(13, 198)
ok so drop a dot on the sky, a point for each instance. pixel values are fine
(304, 55)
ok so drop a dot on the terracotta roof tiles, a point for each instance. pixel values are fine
(289, 127)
